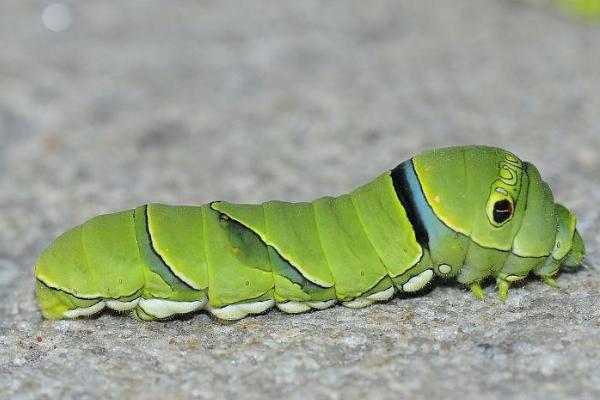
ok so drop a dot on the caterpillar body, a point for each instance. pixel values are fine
(464, 213)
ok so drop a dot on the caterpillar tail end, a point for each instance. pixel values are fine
(90, 267)
(575, 258)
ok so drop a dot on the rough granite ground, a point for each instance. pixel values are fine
(186, 102)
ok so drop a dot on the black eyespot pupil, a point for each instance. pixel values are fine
(503, 210)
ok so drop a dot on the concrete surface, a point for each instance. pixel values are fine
(187, 101)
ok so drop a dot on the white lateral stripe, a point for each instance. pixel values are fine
(365, 301)
(321, 305)
(383, 295)
(418, 282)
(122, 305)
(293, 307)
(359, 302)
(84, 311)
(239, 311)
(162, 308)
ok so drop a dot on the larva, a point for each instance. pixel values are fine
(464, 213)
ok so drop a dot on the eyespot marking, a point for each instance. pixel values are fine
(503, 211)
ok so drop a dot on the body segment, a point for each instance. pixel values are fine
(467, 213)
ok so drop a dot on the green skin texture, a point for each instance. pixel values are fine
(334, 248)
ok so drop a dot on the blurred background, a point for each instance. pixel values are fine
(106, 105)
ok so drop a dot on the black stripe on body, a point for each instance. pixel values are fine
(408, 196)
(405, 194)
(159, 257)
(287, 262)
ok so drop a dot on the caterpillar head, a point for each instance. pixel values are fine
(500, 203)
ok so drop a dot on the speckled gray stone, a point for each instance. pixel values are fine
(187, 101)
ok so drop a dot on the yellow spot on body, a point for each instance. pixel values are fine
(235, 250)
(437, 199)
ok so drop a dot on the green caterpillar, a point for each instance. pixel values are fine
(467, 213)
